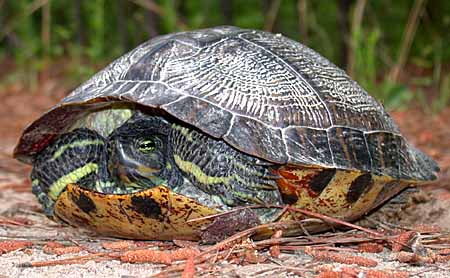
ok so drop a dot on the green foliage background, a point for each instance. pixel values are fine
(90, 33)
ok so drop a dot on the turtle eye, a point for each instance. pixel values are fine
(147, 146)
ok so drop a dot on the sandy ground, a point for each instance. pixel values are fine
(17, 204)
(115, 269)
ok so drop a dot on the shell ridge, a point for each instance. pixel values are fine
(283, 138)
(368, 151)
(329, 147)
(231, 125)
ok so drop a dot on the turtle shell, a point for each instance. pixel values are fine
(262, 93)
(155, 213)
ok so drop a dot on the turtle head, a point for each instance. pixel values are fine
(138, 152)
(132, 158)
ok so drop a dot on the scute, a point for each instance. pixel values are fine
(349, 148)
(216, 119)
(269, 144)
(264, 94)
(307, 144)
(345, 100)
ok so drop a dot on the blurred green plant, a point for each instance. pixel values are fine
(87, 34)
(169, 20)
(96, 27)
(392, 95)
(443, 98)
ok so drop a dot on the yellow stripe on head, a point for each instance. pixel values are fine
(58, 186)
(80, 143)
(184, 131)
(199, 175)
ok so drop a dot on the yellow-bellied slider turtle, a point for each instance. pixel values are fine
(195, 123)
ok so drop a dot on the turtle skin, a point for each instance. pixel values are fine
(333, 146)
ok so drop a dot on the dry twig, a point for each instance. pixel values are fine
(12, 245)
(340, 258)
(408, 36)
(370, 247)
(271, 16)
(189, 268)
(60, 249)
(74, 260)
(275, 249)
(156, 256)
(402, 240)
(355, 29)
(302, 10)
(328, 271)
(119, 245)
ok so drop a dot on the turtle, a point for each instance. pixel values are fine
(199, 134)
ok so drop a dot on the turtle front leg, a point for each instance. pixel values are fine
(77, 157)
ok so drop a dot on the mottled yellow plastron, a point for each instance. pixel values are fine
(333, 199)
(156, 213)
(160, 214)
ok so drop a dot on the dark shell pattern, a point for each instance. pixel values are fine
(262, 93)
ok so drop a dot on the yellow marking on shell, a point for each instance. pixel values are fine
(80, 143)
(58, 186)
(334, 196)
(184, 131)
(332, 200)
(367, 201)
(301, 173)
(198, 174)
(117, 215)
